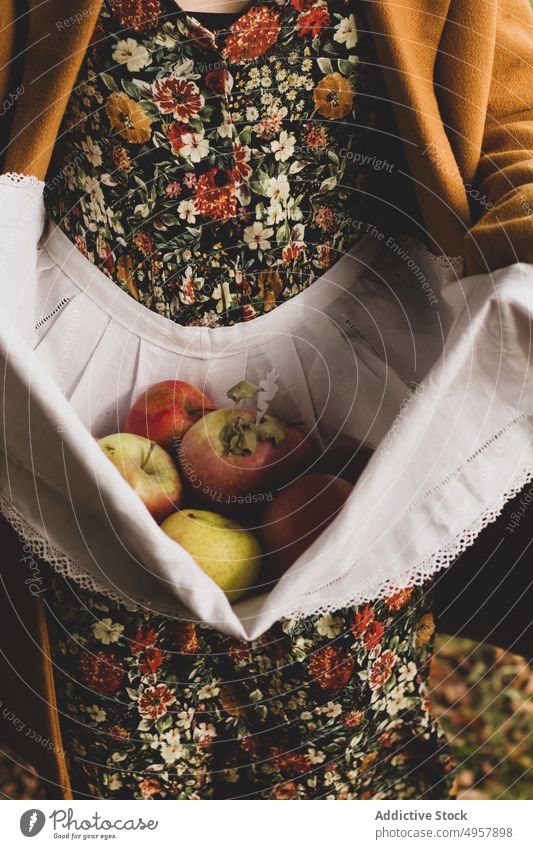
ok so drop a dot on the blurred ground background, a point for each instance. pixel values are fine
(484, 698)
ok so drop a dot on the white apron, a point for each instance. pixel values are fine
(390, 349)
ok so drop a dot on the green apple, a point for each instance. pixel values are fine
(148, 469)
(226, 551)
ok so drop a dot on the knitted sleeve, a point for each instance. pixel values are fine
(503, 234)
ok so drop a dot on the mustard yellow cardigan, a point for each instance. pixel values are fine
(459, 74)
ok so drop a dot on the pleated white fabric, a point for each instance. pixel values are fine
(390, 349)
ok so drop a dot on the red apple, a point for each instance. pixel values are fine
(344, 456)
(231, 459)
(298, 515)
(166, 410)
(148, 469)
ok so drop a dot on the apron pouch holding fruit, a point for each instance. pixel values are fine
(390, 371)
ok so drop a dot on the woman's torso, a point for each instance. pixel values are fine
(214, 178)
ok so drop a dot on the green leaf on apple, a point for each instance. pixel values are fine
(243, 389)
(249, 439)
(270, 428)
(242, 437)
(238, 437)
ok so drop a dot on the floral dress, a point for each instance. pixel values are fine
(333, 706)
(214, 176)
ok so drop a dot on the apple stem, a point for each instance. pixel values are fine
(193, 411)
(148, 455)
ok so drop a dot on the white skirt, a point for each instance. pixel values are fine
(390, 349)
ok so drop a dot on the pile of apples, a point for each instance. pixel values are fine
(176, 448)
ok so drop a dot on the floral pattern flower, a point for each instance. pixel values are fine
(347, 32)
(424, 630)
(127, 118)
(239, 150)
(381, 669)
(334, 96)
(398, 600)
(154, 701)
(138, 15)
(134, 55)
(252, 34)
(306, 711)
(102, 671)
(107, 631)
(178, 97)
(310, 23)
(331, 667)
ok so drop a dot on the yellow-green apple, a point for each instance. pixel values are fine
(230, 459)
(226, 551)
(148, 469)
(166, 410)
(297, 516)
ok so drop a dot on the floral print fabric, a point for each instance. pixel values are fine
(215, 175)
(333, 706)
